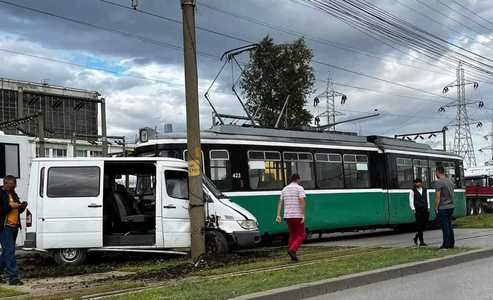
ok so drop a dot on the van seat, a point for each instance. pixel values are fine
(124, 213)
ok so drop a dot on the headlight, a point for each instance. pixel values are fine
(248, 224)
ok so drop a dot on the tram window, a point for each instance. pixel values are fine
(330, 174)
(265, 170)
(220, 169)
(451, 172)
(301, 163)
(356, 171)
(405, 173)
(421, 170)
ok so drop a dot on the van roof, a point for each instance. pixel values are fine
(172, 161)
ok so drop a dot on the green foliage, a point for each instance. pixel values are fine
(274, 72)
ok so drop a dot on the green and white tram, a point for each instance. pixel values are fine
(352, 182)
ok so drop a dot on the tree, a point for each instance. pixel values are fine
(273, 73)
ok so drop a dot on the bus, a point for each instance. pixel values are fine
(352, 182)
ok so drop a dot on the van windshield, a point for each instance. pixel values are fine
(210, 185)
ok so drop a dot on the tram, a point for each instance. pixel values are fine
(352, 182)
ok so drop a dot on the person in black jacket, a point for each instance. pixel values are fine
(418, 201)
(10, 210)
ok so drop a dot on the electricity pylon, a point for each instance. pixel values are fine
(330, 95)
(463, 145)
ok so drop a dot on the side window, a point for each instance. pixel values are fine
(73, 182)
(220, 169)
(356, 171)
(265, 170)
(422, 171)
(176, 184)
(301, 163)
(451, 173)
(9, 160)
(330, 174)
(41, 182)
(405, 173)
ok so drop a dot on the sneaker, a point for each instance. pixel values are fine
(415, 239)
(423, 244)
(442, 248)
(293, 256)
(16, 282)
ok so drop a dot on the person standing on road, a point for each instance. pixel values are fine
(10, 210)
(418, 201)
(293, 200)
(444, 206)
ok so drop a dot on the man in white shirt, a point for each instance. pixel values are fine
(418, 201)
(293, 200)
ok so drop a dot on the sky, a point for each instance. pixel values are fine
(135, 60)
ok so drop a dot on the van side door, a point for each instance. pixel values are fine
(71, 207)
(175, 211)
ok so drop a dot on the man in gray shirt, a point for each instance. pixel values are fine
(444, 206)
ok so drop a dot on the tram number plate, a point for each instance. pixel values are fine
(236, 175)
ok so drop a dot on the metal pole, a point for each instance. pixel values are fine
(20, 104)
(103, 127)
(41, 134)
(193, 131)
(444, 133)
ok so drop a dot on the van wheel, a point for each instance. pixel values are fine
(216, 243)
(70, 256)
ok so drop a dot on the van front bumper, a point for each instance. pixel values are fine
(246, 239)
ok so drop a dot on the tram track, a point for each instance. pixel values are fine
(308, 259)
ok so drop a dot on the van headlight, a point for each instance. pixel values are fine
(248, 224)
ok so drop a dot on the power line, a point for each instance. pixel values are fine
(326, 42)
(460, 13)
(107, 29)
(60, 61)
(180, 48)
(149, 13)
(471, 11)
(244, 40)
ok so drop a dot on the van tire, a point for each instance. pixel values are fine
(70, 256)
(216, 243)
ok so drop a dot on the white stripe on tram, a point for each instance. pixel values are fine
(258, 143)
(317, 192)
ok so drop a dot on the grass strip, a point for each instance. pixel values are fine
(227, 287)
(480, 221)
(5, 292)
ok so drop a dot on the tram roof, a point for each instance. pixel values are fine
(230, 133)
(391, 145)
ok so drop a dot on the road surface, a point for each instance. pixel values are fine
(466, 281)
(475, 238)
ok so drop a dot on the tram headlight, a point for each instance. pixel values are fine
(248, 224)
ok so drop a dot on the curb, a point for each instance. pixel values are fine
(322, 287)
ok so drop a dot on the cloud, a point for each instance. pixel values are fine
(134, 102)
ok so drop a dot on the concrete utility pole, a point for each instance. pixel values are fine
(197, 217)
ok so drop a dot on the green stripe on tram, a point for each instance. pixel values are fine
(332, 211)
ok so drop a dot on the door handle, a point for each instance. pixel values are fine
(169, 206)
(94, 205)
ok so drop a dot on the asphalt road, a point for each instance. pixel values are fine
(475, 238)
(460, 282)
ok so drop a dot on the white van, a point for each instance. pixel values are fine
(76, 205)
